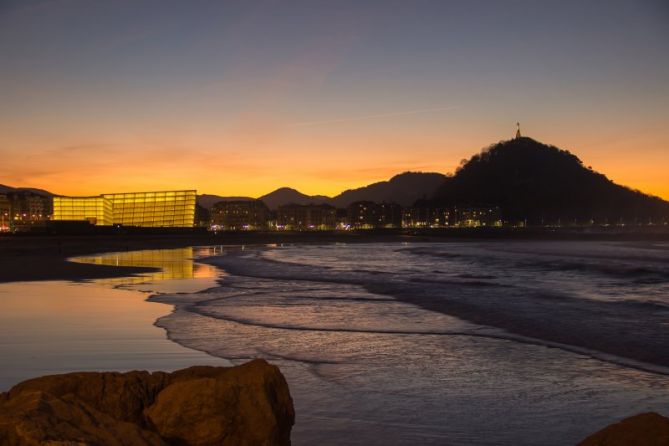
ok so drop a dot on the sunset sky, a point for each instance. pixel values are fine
(242, 97)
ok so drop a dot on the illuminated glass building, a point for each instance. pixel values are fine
(171, 209)
(95, 210)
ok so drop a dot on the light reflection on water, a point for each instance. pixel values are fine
(171, 265)
(106, 324)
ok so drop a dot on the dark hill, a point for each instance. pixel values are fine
(403, 189)
(8, 189)
(286, 195)
(539, 183)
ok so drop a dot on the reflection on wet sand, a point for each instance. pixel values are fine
(170, 264)
(107, 324)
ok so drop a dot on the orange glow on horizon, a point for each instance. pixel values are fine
(86, 170)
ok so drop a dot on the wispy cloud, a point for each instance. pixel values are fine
(375, 116)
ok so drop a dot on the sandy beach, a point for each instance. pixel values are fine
(44, 257)
(29, 258)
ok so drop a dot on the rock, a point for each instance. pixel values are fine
(247, 405)
(37, 418)
(244, 405)
(646, 429)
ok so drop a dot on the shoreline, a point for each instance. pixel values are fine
(305, 435)
(522, 319)
(25, 258)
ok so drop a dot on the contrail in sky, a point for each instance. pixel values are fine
(375, 116)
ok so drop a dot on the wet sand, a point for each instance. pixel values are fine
(44, 257)
(30, 258)
(59, 327)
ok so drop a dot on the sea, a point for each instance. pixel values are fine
(404, 343)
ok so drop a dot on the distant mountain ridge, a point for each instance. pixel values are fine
(404, 189)
(4, 189)
(542, 184)
(287, 195)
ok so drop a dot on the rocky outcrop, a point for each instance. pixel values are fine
(245, 405)
(646, 429)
